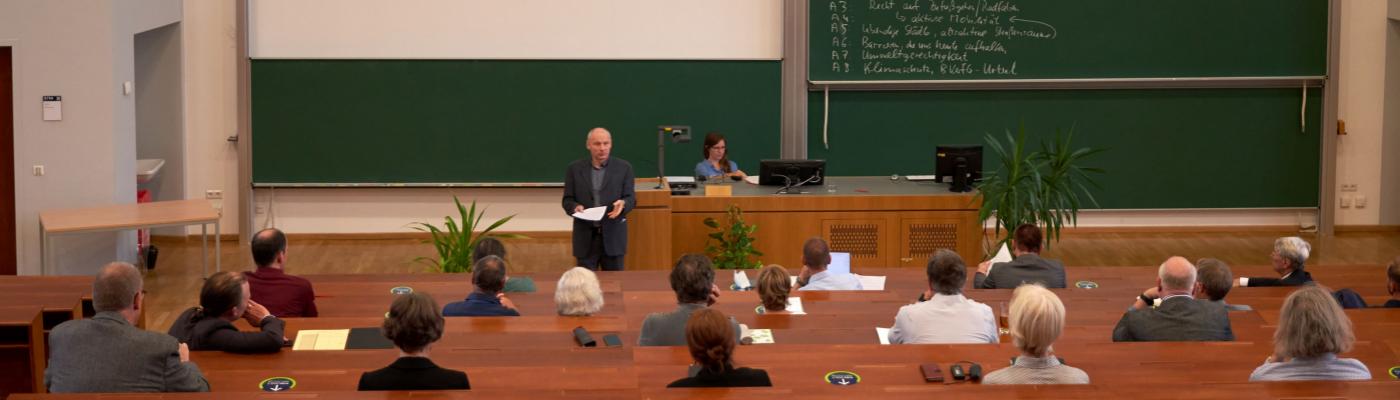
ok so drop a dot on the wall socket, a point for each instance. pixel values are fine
(38, 170)
(1344, 201)
(213, 194)
(1348, 187)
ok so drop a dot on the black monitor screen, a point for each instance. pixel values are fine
(948, 156)
(790, 172)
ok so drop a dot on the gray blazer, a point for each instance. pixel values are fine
(106, 354)
(1177, 319)
(668, 328)
(1027, 268)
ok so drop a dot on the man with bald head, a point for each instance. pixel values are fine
(283, 294)
(109, 354)
(600, 181)
(1169, 312)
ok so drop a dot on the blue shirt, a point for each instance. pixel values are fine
(479, 304)
(826, 280)
(707, 169)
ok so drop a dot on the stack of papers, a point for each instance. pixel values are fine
(884, 334)
(871, 282)
(741, 281)
(794, 305)
(321, 339)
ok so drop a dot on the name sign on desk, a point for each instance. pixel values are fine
(277, 384)
(719, 190)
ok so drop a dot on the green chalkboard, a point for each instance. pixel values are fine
(471, 121)
(1183, 148)
(860, 40)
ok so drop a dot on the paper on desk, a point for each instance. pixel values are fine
(680, 179)
(794, 305)
(871, 282)
(761, 336)
(321, 339)
(592, 214)
(1003, 255)
(884, 334)
(752, 180)
(741, 280)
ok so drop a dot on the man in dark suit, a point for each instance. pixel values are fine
(109, 354)
(1027, 267)
(1290, 253)
(489, 277)
(600, 181)
(1168, 312)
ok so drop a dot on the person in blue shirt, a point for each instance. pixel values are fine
(716, 162)
(489, 277)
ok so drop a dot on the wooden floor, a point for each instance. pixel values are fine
(174, 284)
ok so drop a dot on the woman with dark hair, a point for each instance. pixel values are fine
(222, 300)
(414, 323)
(716, 162)
(711, 341)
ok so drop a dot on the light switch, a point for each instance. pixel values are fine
(1360, 201)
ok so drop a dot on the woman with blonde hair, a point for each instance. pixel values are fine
(578, 293)
(1037, 318)
(774, 284)
(1312, 330)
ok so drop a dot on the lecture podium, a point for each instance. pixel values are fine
(881, 222)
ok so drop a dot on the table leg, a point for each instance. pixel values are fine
(218, 248)
(204, 248)
(43, 249)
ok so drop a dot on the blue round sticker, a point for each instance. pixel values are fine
(277, 384)
(1086, 285)
(401, 290)
(843, 378)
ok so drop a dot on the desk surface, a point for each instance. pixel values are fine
(845, 186)
(128, 216)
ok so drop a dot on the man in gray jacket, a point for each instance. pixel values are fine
(1168, 312)
(109, 354)
(693, 280)
(1027, 267)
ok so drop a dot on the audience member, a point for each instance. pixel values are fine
(1392, 286)
(413, 324)
(693, 280)
(1290, 253)
(284, 295)
(109, 354)
(1177, 316)
(1312, 330)
(1037, 317)
(209, 326)
(1213, 282)
(814, 276)
(947, 317)
(711, 342)
(578, 293)
(490, 246)
(488, 276)
(774, 285)
(1027, 267)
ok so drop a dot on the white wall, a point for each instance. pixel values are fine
(160, 131)
(81, 50)
(517, 29)
(209, 31)
(1363, 65)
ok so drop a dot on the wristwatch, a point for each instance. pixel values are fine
(1148, 300)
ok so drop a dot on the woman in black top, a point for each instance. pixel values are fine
(414, 323)
(222, 300)
(711, 341)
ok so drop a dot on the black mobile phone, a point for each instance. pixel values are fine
(611, 340)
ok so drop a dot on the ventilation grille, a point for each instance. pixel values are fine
(925, 239)
(861, 240)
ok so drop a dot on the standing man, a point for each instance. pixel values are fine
(600, 181)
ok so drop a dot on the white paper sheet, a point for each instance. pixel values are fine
(752, 180)
(592, 214)
(761, 336)
(1003, 255)
(741, 280)
(884, 334)
(794, 305)
(871, 282)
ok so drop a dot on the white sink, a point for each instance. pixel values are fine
(147, 169)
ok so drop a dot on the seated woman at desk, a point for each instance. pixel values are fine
(716, 162)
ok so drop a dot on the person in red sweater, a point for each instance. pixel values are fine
(284, 295)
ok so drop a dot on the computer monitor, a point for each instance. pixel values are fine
(791, 172)
(961, 163)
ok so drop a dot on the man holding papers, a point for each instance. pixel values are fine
(598, 193)
(1027, 267)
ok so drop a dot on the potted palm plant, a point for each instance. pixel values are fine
(1045, 187)
(455, 241)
